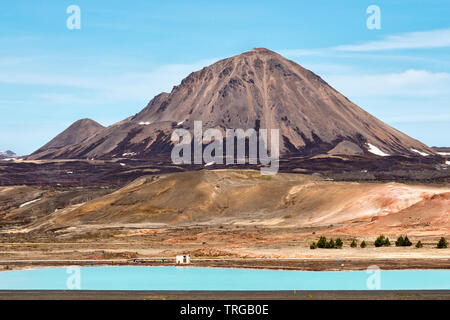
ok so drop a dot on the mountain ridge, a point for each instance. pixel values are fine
(255, 89)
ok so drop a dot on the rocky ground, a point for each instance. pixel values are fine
(122, 170)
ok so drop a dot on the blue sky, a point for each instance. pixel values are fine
(128, 51)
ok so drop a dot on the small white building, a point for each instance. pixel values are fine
(183, 259)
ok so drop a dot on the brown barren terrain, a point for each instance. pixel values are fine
(234, 217)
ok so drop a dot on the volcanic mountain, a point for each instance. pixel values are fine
(77, 133)
(256, 89)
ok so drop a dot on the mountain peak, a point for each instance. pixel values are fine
(77, 132)
(257, 54)
(261, 51)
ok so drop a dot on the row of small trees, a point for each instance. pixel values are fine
(381, 241)
(404, 242)
(324, 244)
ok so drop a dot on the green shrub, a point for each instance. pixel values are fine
(407, 242)
(322, 243)
(313, 246)
(403, 242)
(353, 244)
(382, 241)
(419, 244)
(363, 244)
(339, 243)
(387, 243)
(442, 243)
(331, 244)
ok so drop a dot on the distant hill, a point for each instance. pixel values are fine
(442, 151)
(78, 132)
(7, 154)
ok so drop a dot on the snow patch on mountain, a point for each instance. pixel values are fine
(423, 154)
(128, 154)
(375, 150)
(29, 202)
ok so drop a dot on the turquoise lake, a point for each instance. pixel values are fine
(189, 278)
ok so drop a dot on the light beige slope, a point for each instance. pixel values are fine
(246, 198)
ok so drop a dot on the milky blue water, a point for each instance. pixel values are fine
(188, 278)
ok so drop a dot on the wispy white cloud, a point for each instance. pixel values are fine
(127, 86)
(411, 96)
(67, 98)
(439, 38)
(429, 39)
(330, 68)
(13, 61)
(417, 118)
(409, 83)
(361, 80)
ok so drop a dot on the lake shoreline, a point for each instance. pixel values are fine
(269, 264)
